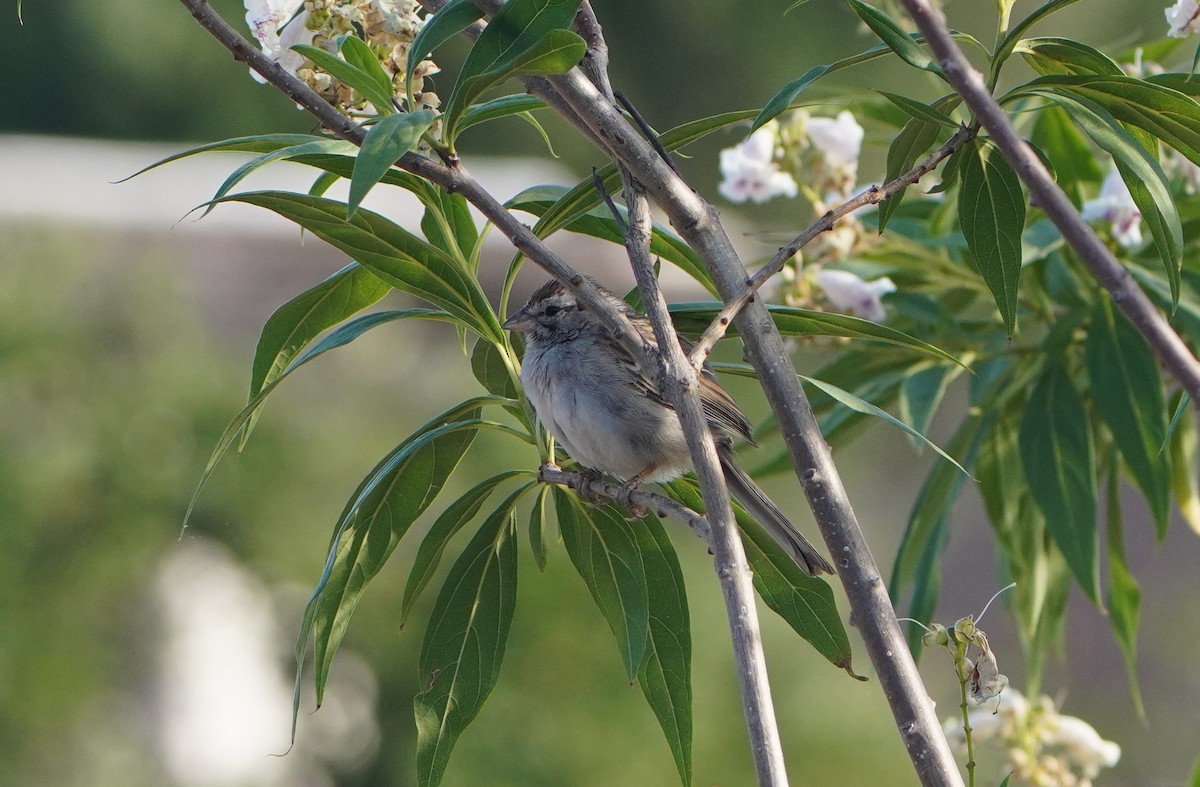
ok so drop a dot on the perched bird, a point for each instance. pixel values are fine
(609, 413)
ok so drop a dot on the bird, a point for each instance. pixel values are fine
(611, 415)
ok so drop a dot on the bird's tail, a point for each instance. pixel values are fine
(755, 501)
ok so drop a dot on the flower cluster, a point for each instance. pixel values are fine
(751, 171)
(1044, 747)
(387, 26)
(826, 150)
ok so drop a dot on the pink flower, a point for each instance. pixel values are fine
(749, 170)
(1115, 205)
(851, 295)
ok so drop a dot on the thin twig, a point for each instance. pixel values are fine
(588, 485)
(871, 196)
(1045, 193)
(647, 131)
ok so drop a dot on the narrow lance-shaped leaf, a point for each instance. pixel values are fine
(1127, 389)
(379, 514)
(449, 21)
(537, 529)
(447, 525)
(1142, 174)
(805, 603)
(1185, 465)
(523, 36)
(390, 252)
(991, 211)
(665, 675)
(1124, 595)
(693, 318)
(896, 37)
(358, 54)
(351, 76)
(296, 323)
(1057, 455)
(386, 141)
(603, 547)
(464, 644)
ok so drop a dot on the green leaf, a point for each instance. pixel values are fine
(1017, 32)
(358, 54)
(351, 76)
(377, 516)
(604, 548)
(296, 323)
(1185, 465)
(1065, 56)
(390, 252)
(805, 603)
(913, 141)
(497, 108)
(1124, 596)
(665, 674)
(537, 529)
(259, 143)
(449, 21)
(919, 111)
(866, 408)
(314, 147)
(599, 223)
(524, 37)
(464, 644)
(921, 392)
(449, 225)
(1142, 174)
(452, 519)
(1194, 779)
(489, 368)
(1056, 452)
(386, 141)
(1127, 390)
(892, 34)
(693, 318)
(1074, 161)
(991, 210)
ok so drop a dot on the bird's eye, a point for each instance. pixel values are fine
(552, 310)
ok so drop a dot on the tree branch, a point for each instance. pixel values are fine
(587, 485)
(1045, 193)
(873, 195)
(699, 224)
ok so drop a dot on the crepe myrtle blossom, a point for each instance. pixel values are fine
(750, 171)
(1183, 18)
(849, 294)
(1115, 205)
(1043, 747)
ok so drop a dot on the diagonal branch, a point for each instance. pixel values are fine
(1163, 340)
(873, 195)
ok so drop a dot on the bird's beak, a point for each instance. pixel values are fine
(518, 321)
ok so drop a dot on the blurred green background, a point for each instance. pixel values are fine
(132, 656)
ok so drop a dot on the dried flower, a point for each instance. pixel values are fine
(750, 171)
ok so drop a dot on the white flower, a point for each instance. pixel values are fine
(849, 294)
(265, 17)
(1115, 204)
(839, 139)
(1183, 18)
(749, 170)
(1086, 747)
